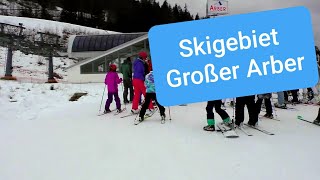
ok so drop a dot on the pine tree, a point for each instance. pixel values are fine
(197, 17)
(26, 12)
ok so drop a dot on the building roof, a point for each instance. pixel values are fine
(112, 50)
(102, 42)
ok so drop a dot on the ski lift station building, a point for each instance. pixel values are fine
(97, 52)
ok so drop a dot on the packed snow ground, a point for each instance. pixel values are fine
(45, 136)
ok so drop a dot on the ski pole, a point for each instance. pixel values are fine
(233, 112)
(125, 104)
(169, 113)
(102, 98)
(273, 106)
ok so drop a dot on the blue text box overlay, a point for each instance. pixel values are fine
(233, 56)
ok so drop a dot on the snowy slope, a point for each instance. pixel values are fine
(51, 26)
(27, 69)
(45, 136)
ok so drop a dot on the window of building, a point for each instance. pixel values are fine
(99, 65)
(86, 68)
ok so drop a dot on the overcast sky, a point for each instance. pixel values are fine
(246, 6)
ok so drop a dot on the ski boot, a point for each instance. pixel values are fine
(120, 110)
(270, 116)
(210, 126)
(282, 106)
(253, 124)
(317, 120)
(137, 121)
(227, 122)
(163, 119)
(239, 125)
(106, 111)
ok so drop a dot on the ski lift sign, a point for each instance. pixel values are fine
(215, 7)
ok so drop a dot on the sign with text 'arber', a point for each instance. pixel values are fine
(233, 56)
(215, 7)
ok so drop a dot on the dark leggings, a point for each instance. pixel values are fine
(217, 106)
(146, 103)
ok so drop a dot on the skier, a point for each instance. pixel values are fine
(280, 104)
(138, 81)
(150, 94)
(126, 70)
(317, 120)
(148, 68)
(294, 93)
(112, 80)
(309, 95)
(148, 61)
(266, 97)
(239, 112)
(210, 115)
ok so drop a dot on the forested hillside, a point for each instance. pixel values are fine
(114, 15)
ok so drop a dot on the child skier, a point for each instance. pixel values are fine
(280, 104)
(267, 101)
(112, 80)
(317, 120)
(239, 112)
(150, 94)
(210, 115)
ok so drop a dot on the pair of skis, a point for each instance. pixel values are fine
(136, 120)
(302, 119)
(287, 108)
(227, 131)
(116, 113)
(230, 132)
(262, 117)
(244, 131)
(256, 128)
(132, 114)
(259, 129)
(270, 133)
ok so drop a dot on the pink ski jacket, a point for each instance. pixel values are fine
(112, 80)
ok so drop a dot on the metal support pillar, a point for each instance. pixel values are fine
(9, 68)
(51, 79)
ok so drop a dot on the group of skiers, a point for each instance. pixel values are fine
(138, 78)
(254, 106)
